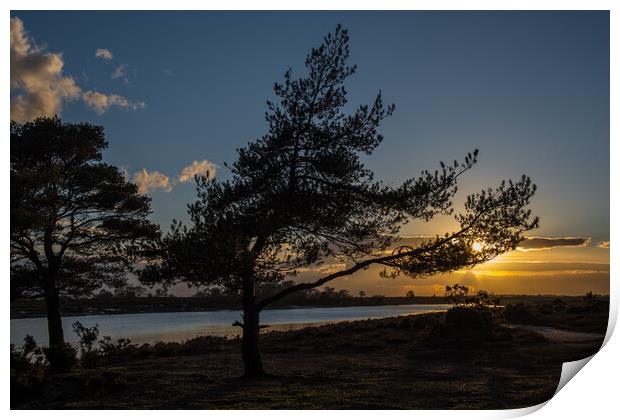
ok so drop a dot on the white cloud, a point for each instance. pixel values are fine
(120, 71)
(148, 181)
(104, 54)
(38, 77)
(203, 168)
(100, 102)
(38, 86)
(151, 181)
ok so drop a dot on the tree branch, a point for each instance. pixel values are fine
(363, 264)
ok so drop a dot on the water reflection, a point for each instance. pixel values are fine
(179, 326)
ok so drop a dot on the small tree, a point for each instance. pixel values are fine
(74, 219)
(457, 295)
(301, 194)
(410, 294)
(590, 299)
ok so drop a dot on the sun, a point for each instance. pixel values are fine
(476, 246)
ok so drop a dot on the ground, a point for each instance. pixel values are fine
(415, 362)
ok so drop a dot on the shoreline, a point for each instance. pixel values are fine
(183, 326)
(149, 305)
(24, 309)
(284, 308)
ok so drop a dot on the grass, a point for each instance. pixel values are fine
(414, 362)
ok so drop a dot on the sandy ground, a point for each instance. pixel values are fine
(403, 363)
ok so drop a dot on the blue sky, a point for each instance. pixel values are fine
(529, 89)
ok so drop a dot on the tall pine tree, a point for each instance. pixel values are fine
(75, 221)
(301, 194)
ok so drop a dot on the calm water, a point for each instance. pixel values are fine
(178, 326)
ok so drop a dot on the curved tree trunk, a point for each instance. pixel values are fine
(252, 361)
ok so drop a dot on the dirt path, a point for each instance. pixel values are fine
(558, 335)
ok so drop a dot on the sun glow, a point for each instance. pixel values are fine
(476, 246)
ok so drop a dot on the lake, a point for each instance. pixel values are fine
(179, 326)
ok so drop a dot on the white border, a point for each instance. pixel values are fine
(592, 394)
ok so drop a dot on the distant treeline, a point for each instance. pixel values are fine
(26, 308)
(138, 299)
(107, 303)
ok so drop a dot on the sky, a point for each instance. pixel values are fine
(178, 92)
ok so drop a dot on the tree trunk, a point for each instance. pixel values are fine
(252, 361)
(54, 320)
(54, 329)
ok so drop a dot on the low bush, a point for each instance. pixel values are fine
(470, 314)
(470, 318)
(518, 313)
(458, 295)
(95, 351)
(558, 305)
(61, 359)
(28, 366)
(106, 380)
(591, 304)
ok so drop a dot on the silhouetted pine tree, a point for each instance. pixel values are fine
(300, 195)
(74, 219)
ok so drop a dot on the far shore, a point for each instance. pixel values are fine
(35, 308)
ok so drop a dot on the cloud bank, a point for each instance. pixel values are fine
(38, 75)
(520, 277)
(38, 86)
(535, 243)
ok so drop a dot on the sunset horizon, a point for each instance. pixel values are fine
(169, 182)
(306, 209)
